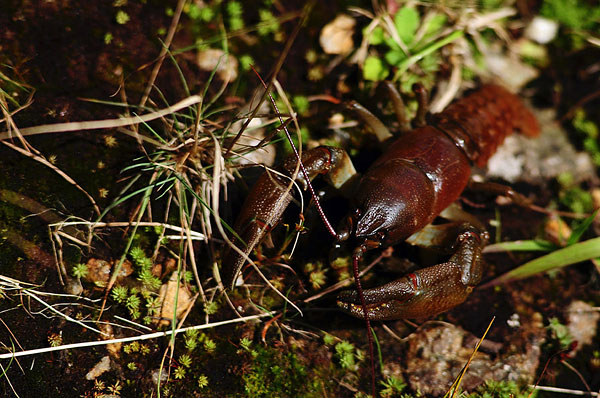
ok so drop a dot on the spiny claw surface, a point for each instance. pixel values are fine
(428, 291)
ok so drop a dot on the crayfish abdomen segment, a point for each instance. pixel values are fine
(485, 118)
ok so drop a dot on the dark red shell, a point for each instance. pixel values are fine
(485, 118)
(425, 170)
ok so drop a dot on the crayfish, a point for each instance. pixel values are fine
(420, 175)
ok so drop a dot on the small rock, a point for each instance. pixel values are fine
(336, 36)
(541, 30)
(227, 65)
(436, 353)
(159, 375)
(73, 286)
(114, 349)
(264, 155)
(100, 368)
(99, 271)
(167, 294)
(513, 72)
(582, 322)
(557, 231)
(253, 135)
(534, 160)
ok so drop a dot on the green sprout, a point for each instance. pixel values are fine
(246, 61)
(392, 386)
(345, 353)
(133, 301)
(149, 280)
(209, 345)
(560, 332)
(188, 276)
(413, 40)
(122, 17)
(144, 349)
(235, 11)
(144, 264)
(153, 304)
(190, 345)
(80, 270)
(115, 389)
(139, 257)
(211, 307)
(55, 339)
(179, 373)
(575, 14)
(268, 22)
(329, 339)
(301, 104)
(202, 381)
(501, 389)
(185, 360)
(119, 294)
(245, 343)
(588, 130)
(132, 347)
(197, 13)
(190, 338)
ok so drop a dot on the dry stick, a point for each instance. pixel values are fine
(103, 124)
(565, 390)
(37, 156)
(8, 380)
(92, 225)
(135, 338)
(68, 318)
(163, 51)
(61, 173)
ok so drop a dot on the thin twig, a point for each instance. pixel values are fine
(134, 338)
(163, 51)
(58, 171)
(103, 124)
(68, 318)
(565, 391)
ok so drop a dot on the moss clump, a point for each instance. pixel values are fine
(501, 389)
(275, 373)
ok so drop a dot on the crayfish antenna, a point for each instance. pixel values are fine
(357, 255)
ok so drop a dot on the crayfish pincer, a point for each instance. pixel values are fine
(414, 181)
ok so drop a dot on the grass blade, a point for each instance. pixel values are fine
(576, 253)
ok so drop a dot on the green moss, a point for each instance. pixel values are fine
(575, 14)
(80, 270)
(122, 17)
(588, 130)
(502, 389)
(274, 373)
